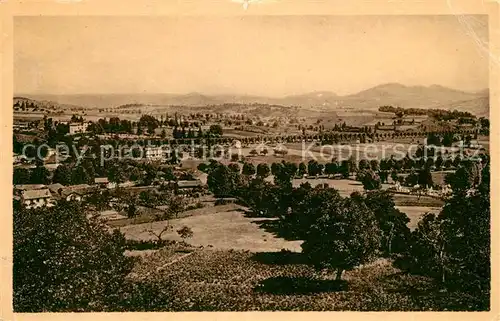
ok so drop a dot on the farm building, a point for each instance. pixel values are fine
(189, 184)
(55, 188)
(37, 198)
(103, 182)
(19, 189)
(154, 153)
(75, 192)
(78, 128)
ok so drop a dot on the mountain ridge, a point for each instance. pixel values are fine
(394, 94)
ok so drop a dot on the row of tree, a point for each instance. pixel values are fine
(439, 114)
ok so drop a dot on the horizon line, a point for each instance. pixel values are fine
(259, 95)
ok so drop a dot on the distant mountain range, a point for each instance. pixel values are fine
(393, 94)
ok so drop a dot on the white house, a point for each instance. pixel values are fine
(37, 198)
(236, 144)
(77, 128)
(154, 153)
(474, 144)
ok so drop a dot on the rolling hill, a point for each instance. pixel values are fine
(394, 94)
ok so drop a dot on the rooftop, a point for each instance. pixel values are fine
(54, 188)
(35, 194)
(195, 183)
(25, 187)
(101, 180)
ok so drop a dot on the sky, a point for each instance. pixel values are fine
(255, 55)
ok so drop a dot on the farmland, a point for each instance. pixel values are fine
(233, 280)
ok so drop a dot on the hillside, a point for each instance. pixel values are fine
(370, 99)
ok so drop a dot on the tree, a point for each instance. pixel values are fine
(40, 175)
(163, 134)
(467, 176)
(433, 139)
(383, 176)
(345, 168)
(331, 168)
(439, 162)
(116, 173)
(302, 169)
(169, 174)
(412, 179)
(21, 176)
(131, 210)
(17, 146)
(222, 181)
(394, 176)
(457, 160)
(139, 130)
(425, 178)
(248, 169)
(363, 165)
(344, 236)
(185, 233)
(66, 262)
(176, 205)
(263, 170)
(215, 130)
(62, 175)
(454, 246)
(79, 175)
(428, 247)
(99, 200)
(306, 207)
(313, 168)
(159, 234)
(448, 139)
(374, 165)
(234, 167)
(391, 221)
(369, 179)
(275, 168)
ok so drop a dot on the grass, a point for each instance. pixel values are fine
(413, 200)
(414, 213)
(228, 280)
(221, 227)
(226, 227)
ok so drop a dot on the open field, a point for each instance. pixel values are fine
(310, 150)
(227, 227)
(222, 280)
(414, 200)
(221, 227)
(416, 212)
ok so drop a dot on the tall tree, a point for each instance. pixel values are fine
(222, 181)
(248, 169)
(263, 170)
(344, 236)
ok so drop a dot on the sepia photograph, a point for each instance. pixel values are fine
(251, 162)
